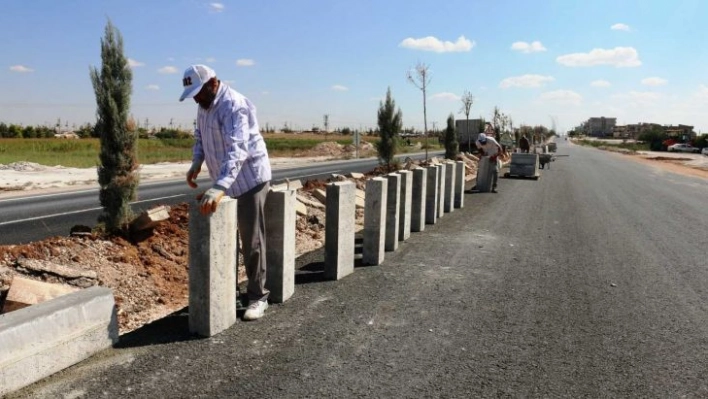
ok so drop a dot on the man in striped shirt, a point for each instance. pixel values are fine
(228, 139)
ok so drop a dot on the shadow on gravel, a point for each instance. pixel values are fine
(169, 329)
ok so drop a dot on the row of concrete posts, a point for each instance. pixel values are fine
(395, 205)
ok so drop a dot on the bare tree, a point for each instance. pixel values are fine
(497, 118)
(467, 101)
(420, 78)
(326, 125)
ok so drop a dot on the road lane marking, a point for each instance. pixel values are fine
(80, 211)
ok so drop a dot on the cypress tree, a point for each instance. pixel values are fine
(390, 122)
(117, 169)
(451, 145)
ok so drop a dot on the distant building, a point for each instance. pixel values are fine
(599, 127)
(634, 130)
(682, 132)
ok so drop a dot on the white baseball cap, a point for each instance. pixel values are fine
(194, 78)
(482, 138)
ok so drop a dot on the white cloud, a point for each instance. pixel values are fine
(618, 57)
(21, 69)
(525, 81)
(623, 27)
(245, 62)
(445, 96)
(134, 63)
(600, 83)
(216, 7)
(432, 43)
(702, 91)
(654, 81)
(562, 97)
(167, 69)
(265, 93)
(638, 98)
(340, 88)
(210, 60)
(152, 87)
(524, 47)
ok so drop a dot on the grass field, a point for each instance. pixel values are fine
(83, 153)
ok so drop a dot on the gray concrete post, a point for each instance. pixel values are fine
(393, 207)
(375, 221)
(484, 175)
(404, 218)
(431, 196)
(449, 186)
(459, 184)
(280, 244)
(212, 269)
(441, 191)
(420, 178)
(339, 230)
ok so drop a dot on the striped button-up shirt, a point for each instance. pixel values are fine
(229, 140)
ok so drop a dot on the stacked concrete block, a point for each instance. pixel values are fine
(42, 339)
(441, 190)
(484, 175)
(393, 207)
(459, 184)
(449, 187)
(524, 165)
(420, 178)
(212, 268)
(375, 221)
(404, 220)
(339, 230)
(431, 196)
(280, 244)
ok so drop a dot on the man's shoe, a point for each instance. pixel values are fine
(494, 190)
(255, 310)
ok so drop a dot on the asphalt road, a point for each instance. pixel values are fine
(35, 217)
(590, 282)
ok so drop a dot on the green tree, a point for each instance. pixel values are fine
(654, 137)
(117, 171)
(390, 122)
(451, 145)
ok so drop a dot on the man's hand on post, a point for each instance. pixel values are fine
(209, 200)
(193, 173)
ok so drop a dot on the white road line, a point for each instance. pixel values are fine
(79, 211)
(314, 174)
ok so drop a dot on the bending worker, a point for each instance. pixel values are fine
(228, 138)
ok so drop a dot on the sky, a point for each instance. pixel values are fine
(554, 62)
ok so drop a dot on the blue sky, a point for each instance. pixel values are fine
(538, 61)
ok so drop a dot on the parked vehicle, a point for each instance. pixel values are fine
(704, 151)
(680, 147)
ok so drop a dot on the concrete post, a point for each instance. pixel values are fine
(280, 244)
(459, 184)
(441, 191)
(375, 221)
(449, 186)
(339, 230)
(393, 207)
(212, 269)
(420, 178)
(484, 175)
(404, 221)
(431, 196)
